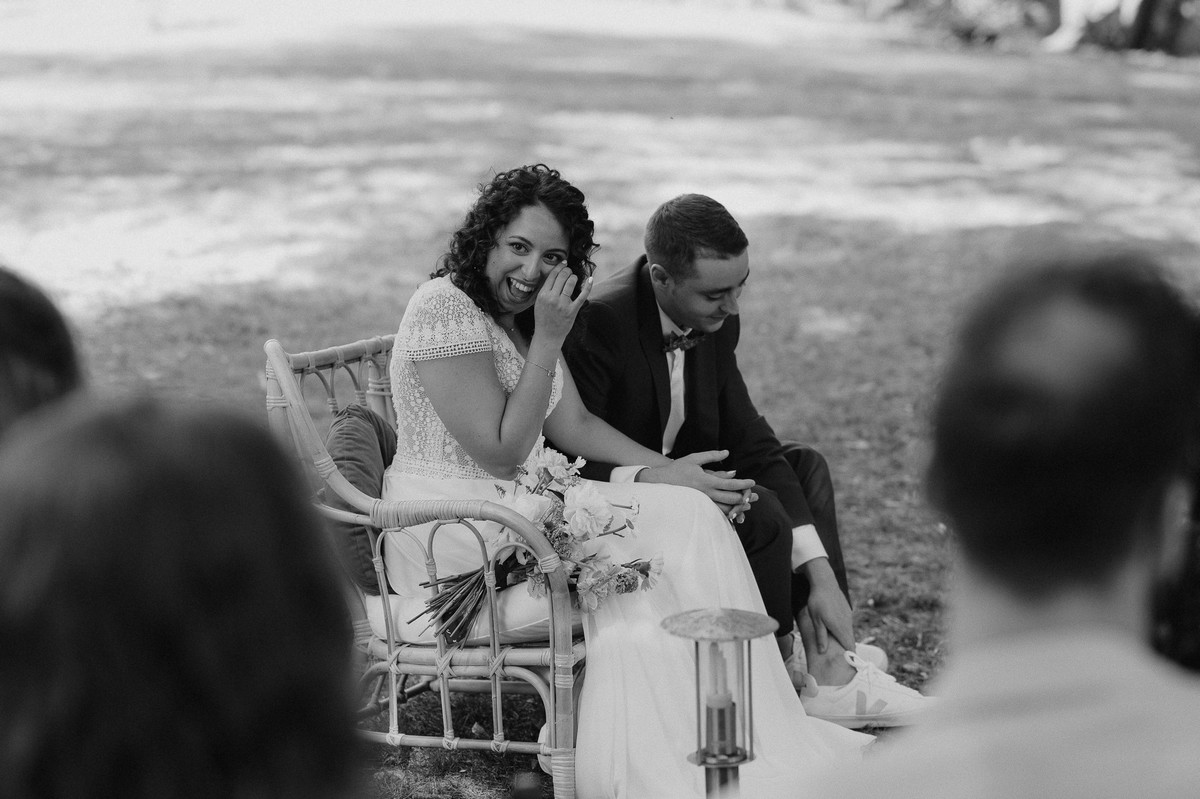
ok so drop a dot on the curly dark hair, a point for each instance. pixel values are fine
(170, 621)
(499, 203)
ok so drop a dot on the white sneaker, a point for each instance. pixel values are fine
(1063, 40)
(872, 698)
(873, 655)
(795, 663)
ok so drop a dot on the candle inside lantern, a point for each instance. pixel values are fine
(721, 736)
(724, 701)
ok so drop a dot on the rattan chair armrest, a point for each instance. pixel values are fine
(344, 516)
(390, 514)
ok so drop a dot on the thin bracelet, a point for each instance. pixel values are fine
(549, 372)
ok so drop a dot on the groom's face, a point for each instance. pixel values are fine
(708, 296)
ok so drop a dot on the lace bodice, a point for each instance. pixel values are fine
(440, 322)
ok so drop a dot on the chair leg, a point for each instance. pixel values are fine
(562, 772)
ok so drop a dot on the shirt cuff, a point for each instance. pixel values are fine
(626, 474)
(806, 545)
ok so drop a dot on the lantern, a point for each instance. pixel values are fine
(724, 707)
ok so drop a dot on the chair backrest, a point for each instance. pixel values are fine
(365, 365)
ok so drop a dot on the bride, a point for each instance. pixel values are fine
(478, 377)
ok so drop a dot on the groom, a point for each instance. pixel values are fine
(657, 361)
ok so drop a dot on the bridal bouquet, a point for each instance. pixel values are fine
(570, 512)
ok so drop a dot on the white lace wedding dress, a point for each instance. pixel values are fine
(637, 708)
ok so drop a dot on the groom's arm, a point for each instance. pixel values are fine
(754, 449)
(756, 452)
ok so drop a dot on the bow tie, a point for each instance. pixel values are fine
(674, 341)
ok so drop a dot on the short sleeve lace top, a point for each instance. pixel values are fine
(441, 322)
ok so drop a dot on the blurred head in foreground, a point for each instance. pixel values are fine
(1064, 448)
(1065, 432)
(169, 623)
(38, 361)
(1177, 607)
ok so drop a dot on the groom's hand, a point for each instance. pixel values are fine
(827, 606)
(737, 513)
(723, 488)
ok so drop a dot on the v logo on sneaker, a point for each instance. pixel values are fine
(871, 698)
(860, 705)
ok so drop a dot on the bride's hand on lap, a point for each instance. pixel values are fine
(730, 493)
(554, 311)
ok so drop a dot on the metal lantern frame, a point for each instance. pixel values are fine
(724, 694)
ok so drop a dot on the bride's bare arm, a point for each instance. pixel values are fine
(498, 432)
(573, 427)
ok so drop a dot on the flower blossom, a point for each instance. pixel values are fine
(586, 512)
(537, 586)
(593, 586)
(654, 571)
(626, 581)
(534, 507)
(553, 461)
(498, 539)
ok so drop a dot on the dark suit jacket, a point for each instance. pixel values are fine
(622, 375)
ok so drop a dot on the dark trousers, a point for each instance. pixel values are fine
(766, 535)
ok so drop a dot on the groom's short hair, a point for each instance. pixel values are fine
(688, 227)
(1069, 406)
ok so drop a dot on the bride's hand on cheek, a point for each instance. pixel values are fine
(554, 311)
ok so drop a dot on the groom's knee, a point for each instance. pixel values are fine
(767, 530)
(812, 470)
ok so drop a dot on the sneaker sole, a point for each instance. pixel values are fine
(858, 722)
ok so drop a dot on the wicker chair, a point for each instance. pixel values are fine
(395, 670)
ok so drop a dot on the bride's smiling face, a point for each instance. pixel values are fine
(526, 250)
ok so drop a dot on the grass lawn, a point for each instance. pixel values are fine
(198, 187)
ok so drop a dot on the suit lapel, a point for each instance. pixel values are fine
(650, 338)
